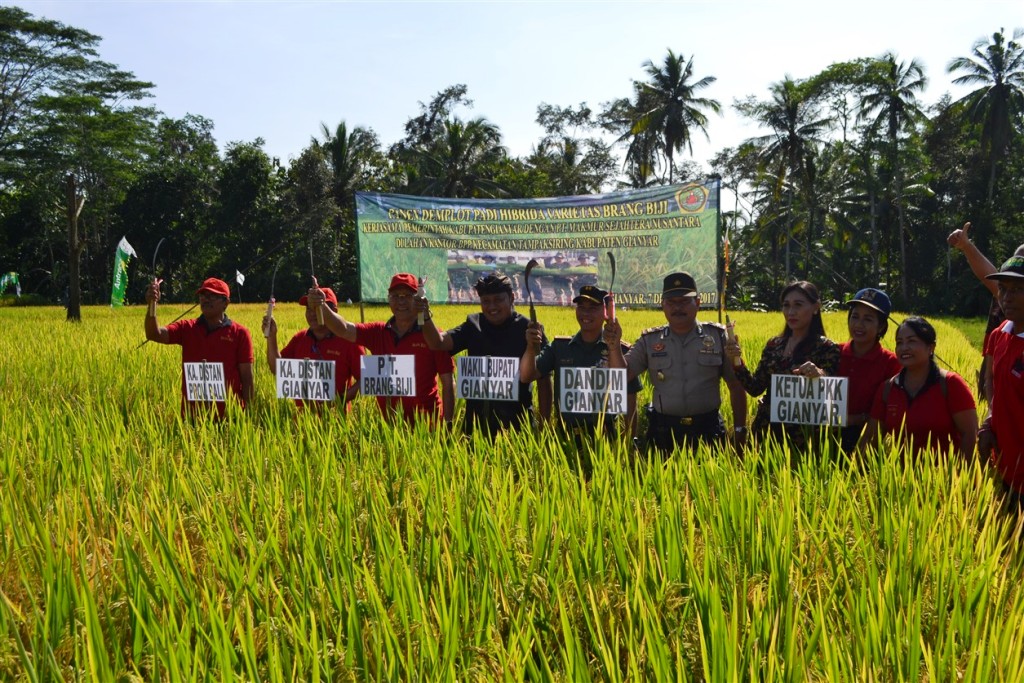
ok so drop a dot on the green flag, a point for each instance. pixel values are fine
(9, 279)
(124, 252)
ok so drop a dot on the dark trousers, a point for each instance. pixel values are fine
(665, 432)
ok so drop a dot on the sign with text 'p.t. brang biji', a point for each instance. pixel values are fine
(592, 390)
(387, 375)
(304, 379)
(204, 382)
(810, 400)
(494, 378)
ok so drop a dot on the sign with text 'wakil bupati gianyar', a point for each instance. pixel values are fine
(454, 242)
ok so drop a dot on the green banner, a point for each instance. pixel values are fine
(10, 280)
(453, 242)
(124, 252)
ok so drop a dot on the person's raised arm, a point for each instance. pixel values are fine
(334, 321)
(437, 340)
(528, 371)
(154, 332)
(270, 325)
(980, 265)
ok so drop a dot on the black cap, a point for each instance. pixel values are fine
(493, 284)
(591, 293)
(1012, 269)
(873, 298)
(679, 284)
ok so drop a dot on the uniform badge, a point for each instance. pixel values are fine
(660, 346)
(709, 345)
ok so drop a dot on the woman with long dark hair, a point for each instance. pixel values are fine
(930, 407)
(802, 348)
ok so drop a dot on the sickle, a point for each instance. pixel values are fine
(529, 292)
(610, 310)
(152, 304)
(312, 271)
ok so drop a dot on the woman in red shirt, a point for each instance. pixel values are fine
(863, 359)
(930, 407)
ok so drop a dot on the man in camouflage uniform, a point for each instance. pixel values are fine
(684, 360)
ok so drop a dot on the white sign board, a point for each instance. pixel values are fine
(387, 375)
(305, 379)
(495, 378)
(592, 390)
(810, 400)
(204, 382)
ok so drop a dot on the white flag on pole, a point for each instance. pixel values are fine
(239, 278)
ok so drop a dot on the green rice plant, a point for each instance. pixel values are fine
(285, 545)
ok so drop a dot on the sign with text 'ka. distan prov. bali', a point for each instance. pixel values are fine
(453, 242)
(204, 382)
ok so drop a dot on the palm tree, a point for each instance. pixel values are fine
(346, 154)
(668, 107)
(797, 127)
(998, 67)
(890, 102)
(461, 162)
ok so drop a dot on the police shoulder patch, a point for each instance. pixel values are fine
(653, 330)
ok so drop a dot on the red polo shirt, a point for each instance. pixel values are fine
(380, 338)
(230, 344)
(1007, 352)
(926, 420)
(866, 374)
(344, 353)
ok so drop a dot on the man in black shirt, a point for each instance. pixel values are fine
(498, 330)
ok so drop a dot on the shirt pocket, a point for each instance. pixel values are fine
(659, 363)
(709, 359)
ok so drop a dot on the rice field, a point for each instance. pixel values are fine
(283, 546)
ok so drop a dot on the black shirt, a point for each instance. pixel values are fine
(478, 337)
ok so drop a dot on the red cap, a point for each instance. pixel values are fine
(404, 280)
(329, 296)
(214, 286)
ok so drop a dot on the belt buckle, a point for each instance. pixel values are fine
(686, 421)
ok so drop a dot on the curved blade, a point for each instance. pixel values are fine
(529, 292)
(156, 252)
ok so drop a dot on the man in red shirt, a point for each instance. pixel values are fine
(400, 335)
(319, 343)
(1001, 437)
(210, 338)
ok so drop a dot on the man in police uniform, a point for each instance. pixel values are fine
(684, 360)
(585, 349)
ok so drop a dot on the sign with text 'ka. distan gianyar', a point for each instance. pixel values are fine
(453, 242)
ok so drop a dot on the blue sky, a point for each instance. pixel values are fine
(276, 70)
